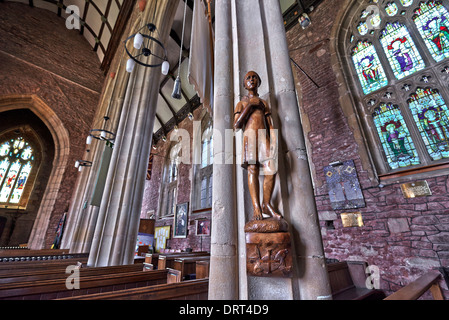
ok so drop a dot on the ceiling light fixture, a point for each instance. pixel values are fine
(176, 94)
(142, 43)
(101, 134)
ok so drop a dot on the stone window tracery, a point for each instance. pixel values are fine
(398, 52)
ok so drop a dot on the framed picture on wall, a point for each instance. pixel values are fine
(181, 219)
(161, 234)
(203, 227)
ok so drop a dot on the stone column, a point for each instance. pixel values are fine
(223, 272)
(119, 214)
(312, 278)
(82, 216)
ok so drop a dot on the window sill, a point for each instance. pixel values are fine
(417, 173)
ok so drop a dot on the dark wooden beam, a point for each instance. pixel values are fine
(119, 28)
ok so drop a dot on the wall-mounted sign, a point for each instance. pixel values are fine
(416, 189)
(344, 187)
(352, 219)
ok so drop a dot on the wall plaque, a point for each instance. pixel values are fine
(344, 187)
(416, 189)
(352, 219)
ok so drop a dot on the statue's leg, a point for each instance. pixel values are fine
(253, 186)
(268, 186)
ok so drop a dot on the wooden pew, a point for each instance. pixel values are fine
(60, 273)
(54, 289)
(202, 269)
(154, 257)
(187, 266)
(167, 260)
(32, 253)
(13, 267)
(417, 288)
(186, 290)
(344, 287)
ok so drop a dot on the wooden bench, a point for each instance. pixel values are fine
(186, 290)
(31, 253)
(167, 261)
(417, 288)
(14, 267)
(346, 285)
(153, 258)
(202, 269)
(53, 289)
(187, 266)
(60, 273)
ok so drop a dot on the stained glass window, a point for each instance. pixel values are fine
(395, 136)
(16, 162)
(431, 19)
(362, 28)
(369, 70)
(396, 47)
(400, 49)
(431, 116)
(406, 3)
(391, 9)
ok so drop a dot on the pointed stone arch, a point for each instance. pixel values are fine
(61, 141)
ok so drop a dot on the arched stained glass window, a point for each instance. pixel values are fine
(431, 116)
(431, 19)
(16, 162)
(398, 53)
(369, 69)
(400, 50)
(395, 136)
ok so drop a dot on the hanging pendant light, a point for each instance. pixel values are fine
(141, 42)
(138, 40)
(177, 87)
(176, 94)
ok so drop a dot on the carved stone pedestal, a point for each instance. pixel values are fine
(268, 248)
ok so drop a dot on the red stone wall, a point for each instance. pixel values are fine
(151, 199)
(40, 56)
(404, 238)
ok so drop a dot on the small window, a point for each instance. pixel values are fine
(17, 160)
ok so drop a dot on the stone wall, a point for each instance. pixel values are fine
(152, 202)
(39, 56)
(404, 238)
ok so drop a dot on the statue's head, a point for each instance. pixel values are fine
(251, 80)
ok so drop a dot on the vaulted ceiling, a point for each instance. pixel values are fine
(103, 22)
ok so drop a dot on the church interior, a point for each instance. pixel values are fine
(125, 172)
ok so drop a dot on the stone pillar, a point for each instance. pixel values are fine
(223, 262)
(82, 216)
(312, 278)
(257, 41)
(119, 214)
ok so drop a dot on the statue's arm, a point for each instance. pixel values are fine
(240, 115)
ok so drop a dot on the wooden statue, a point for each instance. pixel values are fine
(268, 240)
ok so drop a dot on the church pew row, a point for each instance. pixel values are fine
(14, 267)
(167, 260)
(63, 273)
(185, 290)
(58, 288)
(154, 257)
(188, 266)
(30, 253)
